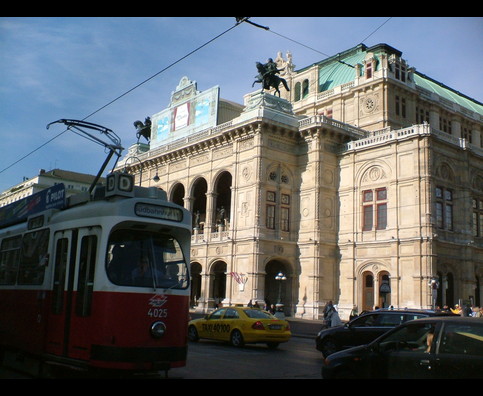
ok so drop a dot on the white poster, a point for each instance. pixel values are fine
(181, 116)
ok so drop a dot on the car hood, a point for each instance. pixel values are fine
(330, 330)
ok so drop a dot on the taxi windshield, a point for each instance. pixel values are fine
(145, 259)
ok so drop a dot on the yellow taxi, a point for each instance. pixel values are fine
(240, 326)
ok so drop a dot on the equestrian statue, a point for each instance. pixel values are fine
(267, 76)
(143, 129)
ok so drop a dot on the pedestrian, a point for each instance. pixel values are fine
(457, 310)
(334, 318)
(476, 312)
(328, 313)
(354, 313)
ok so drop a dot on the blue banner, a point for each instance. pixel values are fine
(50, 198)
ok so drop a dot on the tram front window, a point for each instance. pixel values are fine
(145, 259)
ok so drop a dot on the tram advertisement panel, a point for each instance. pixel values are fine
(50, 198)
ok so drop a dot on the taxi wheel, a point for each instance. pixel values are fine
(193, 334)
(236, 338)
(273, 345)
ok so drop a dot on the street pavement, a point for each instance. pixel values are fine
(304, 327)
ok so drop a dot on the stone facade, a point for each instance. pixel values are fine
(361, 188)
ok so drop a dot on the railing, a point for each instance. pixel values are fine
(321, 119)
(204, 236)
(384, 136)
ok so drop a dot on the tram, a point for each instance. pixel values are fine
(97, 281)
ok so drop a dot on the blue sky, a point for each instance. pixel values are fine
(71, 67)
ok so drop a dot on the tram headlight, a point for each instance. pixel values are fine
(158, 329)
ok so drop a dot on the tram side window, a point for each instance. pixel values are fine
(85, 285)
(9, 258)
(34, 257)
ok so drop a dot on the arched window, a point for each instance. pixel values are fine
(297, 92)
(305, 89)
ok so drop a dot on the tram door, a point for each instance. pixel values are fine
(75, 253)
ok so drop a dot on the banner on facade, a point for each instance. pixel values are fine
(239, 278)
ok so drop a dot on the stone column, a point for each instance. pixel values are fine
(456, 127)
(476, 137)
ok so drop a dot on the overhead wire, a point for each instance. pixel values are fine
(126, 93)
(239, 20)
(267, 28)
(246, 19)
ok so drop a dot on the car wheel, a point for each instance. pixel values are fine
(193, 334)
(273, 345)
(236, 338)
(328, 347)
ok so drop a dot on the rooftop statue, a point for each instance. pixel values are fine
(267, 76)
(143, 129)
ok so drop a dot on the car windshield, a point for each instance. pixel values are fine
(145, 259)
(258, 314)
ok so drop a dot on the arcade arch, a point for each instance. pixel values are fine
(198, 203)
(196, 270)
(177, 194)
(222, 198)
(278, 284)
(217, 287)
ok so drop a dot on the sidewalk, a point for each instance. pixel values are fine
(304, 327)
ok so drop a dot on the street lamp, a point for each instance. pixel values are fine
(156, 177)
(140, 168)
(434, 286)
(280, 277)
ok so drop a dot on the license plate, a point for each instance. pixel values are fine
(275, 327)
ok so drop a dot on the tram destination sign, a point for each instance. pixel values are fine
(51, 198)
(158, 212)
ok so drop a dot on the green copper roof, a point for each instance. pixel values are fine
(447, 93)
(339, 69)
(339, 73)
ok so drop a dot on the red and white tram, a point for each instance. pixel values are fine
(98, 281)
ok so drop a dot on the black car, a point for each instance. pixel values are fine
(433, 348)
(366, 328)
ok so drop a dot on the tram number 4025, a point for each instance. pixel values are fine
(158, 312)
